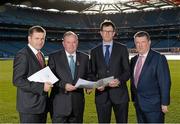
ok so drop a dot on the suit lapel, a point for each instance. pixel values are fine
(66, 64)
(113, 54)
(34, 57)
(101, 55)
(77, 65)
(146, 63)
(134, 60)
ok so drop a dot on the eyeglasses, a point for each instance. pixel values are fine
(104, 31)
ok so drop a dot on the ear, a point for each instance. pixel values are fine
(114, 33)
(100, 33)
(63, 43)
(150, 42)
(29, 38)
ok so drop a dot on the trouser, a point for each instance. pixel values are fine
(32, 118)
(120, 111)
(149, 117)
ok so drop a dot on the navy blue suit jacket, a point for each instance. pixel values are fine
(118, 67)
(153, 89)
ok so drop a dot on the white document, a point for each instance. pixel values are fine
(81, 83)
(44, 75)
(104, 81)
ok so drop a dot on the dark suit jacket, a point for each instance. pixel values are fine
(64, 102)
(30, 95)
(153, 89)
(118, 67)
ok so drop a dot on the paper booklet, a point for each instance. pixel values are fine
(44, 75)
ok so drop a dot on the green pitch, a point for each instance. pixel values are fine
(8, 111)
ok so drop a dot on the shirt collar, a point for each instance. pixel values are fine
(145, 54)
(33, 49)
(68, 54)
(107, 43)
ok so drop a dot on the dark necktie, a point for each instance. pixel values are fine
(72, 65)
(107, 53)
(40, 59)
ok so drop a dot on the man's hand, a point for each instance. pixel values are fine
(114, 83)
(69, 87)
(101, 88)
(89, 91)
(164, 108)
(47, 86)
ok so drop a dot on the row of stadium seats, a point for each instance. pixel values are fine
(162, 25)
(10, 48)
(27, 16)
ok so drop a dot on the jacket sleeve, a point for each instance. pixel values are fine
(132, 87)
(92, 66)
(164, 80)
(125, 66)
(20, 74)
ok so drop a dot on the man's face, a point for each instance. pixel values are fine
(70, 44)
(107, 33)
(37, 40)
(142, 44)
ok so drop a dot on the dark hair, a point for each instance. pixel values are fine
(142, 34)
(36, 28)
(107, 23)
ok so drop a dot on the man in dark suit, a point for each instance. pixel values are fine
(150, 81)
(31, 96)
(68, 65)
(110, 59)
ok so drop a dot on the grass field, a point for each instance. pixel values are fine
(8, 111)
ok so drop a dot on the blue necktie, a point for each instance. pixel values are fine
(107, 53)
(72, 65)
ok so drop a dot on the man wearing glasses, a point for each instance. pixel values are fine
(110, 59)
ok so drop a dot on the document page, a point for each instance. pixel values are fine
(81, 83)
(44, 75)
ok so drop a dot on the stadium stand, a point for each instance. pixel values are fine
(162, 24)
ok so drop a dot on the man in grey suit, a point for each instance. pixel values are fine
(31, 96)
(68, 65)
(150, 81)
(110, 58)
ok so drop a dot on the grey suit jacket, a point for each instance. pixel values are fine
(30, 95)
(64, 102)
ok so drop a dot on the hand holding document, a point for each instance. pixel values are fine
(44, 75)
(81, 83)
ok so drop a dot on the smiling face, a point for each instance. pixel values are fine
(142, 44)
(107, 33)
(36, 40)
(70, 43)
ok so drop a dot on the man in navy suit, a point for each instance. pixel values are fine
(150, 81)
(110, 58)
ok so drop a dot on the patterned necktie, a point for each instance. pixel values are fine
(72, 65)
(40, 59)
(106, 57)
(138, 70)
